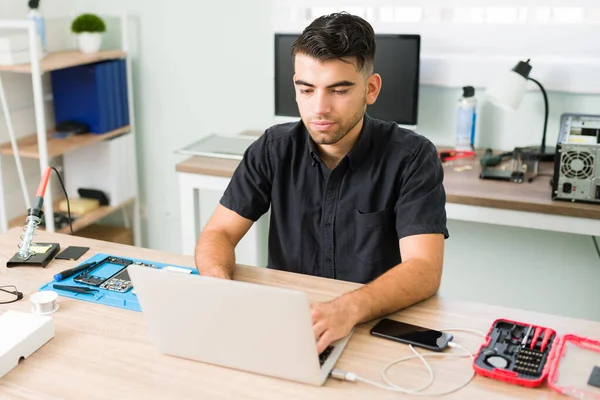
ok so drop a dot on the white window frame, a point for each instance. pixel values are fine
(565, 55)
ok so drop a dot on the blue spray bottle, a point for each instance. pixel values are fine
(466, 117)
(40, 24)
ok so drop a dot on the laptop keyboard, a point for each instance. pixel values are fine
(323, 356)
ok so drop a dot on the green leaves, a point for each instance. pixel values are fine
(88, 23)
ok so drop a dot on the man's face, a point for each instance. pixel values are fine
(332, 96)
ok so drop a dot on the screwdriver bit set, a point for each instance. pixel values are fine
(516, 353)
(529, 355)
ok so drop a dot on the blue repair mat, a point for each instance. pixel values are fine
(127, 300)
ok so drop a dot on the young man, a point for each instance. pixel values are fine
(351, 197)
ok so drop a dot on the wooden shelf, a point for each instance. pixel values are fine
(66, 59)
(82, 222)
(28, 145)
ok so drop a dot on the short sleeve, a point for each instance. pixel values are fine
(249, 191)
(421, 205)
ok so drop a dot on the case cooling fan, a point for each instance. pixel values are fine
(577, 164)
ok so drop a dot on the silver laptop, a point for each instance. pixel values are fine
(246, 326)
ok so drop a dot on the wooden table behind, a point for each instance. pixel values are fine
(462, 187)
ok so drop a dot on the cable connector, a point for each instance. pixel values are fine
(352, 377)
(343, 375)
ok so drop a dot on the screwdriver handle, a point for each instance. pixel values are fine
(536, 335)
(70, 272)
(547, 334)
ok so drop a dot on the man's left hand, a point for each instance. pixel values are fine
(331, 321)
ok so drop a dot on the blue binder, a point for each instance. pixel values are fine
(117, 95)
(94, 94)
(103, 94)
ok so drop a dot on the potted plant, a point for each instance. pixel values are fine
(89, 29)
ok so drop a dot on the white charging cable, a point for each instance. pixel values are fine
(353, 377)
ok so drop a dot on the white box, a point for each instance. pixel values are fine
(21, 334)
(15, 58)
(14, 48)
(108, 166)
(11, 41)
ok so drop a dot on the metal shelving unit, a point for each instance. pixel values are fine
(43, 147)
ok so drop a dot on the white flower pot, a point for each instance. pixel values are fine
(89, 42)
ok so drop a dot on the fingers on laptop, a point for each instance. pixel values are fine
(315, 313)
(319, 328)
(324, 341)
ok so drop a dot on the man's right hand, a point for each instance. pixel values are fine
(215, 254)
(216, 273)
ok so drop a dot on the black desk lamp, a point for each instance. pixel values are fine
(508, 93)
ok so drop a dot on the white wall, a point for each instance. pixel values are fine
(555, 273)
(497, 128)
(16, 9)
(189, 82)
(200, 69)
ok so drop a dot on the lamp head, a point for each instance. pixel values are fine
(507, 92)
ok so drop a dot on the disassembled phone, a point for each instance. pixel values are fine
(118, 283)
(103, 271)
(142, 264)
(121, 282)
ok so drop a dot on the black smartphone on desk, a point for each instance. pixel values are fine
(411, 334)
(72, 253)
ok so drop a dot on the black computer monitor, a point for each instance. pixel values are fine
(396, 60)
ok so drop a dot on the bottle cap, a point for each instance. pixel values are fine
(34, 4)
(468, 91)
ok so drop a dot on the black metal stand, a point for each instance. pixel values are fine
(544, 153)
(36, 259)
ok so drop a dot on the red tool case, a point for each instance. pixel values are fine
(529, 355)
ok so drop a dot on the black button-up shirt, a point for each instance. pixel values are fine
(344, 223)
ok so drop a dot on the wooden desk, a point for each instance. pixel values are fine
(525, 205)
(101, 352)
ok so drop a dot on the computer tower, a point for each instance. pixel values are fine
(577, 165)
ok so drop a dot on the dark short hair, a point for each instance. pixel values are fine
(338, 36)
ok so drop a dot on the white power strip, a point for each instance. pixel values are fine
(21, 334)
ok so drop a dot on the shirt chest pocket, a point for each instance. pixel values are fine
(373, 234)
